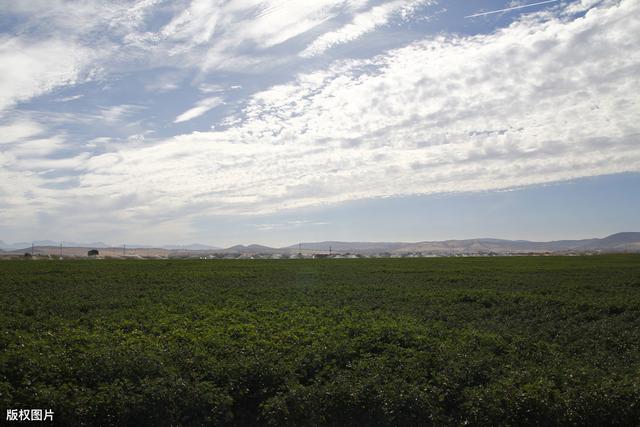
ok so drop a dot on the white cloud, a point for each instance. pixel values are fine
(233, 35)
(102, 140)
(288, 225)
(70, 98)
(217, 88)
(58, 43)
(195, 25)
(19, 130)
(37, 147)
(581, 5)
(28, 146)
(61, 17)
(540, 101)
(200, 108)
(117, 113)
(361, 24)
(29, 69)
(211, 88)
(165, 82)
(54, 164)
(201, 34)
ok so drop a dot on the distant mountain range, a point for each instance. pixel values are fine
(192, 247)
(100, 245)
(22, 245)
(629, 241)
(620, 242)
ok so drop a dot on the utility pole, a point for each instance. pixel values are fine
(124, 250)
(32, 248)
(329, 250)
(60, 249)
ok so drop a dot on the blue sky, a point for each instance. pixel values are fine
(275, 121)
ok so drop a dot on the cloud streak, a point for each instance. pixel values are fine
(508, 9)
(361, 24)
(199, 109)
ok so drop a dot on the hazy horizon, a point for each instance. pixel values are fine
(508, 215)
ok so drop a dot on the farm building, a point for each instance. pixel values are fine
(93, 252)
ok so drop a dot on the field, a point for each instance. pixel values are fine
(445, 341)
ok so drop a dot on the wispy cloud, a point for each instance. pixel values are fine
(238, 35)
(19, 130)
(200, 108)
(217, 88)
(31, 68)
(117, 113)
(70, 98)
(361, 24)
(165, 82)
(289, 225)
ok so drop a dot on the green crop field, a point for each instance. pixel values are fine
(445, 341)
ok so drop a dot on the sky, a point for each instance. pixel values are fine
(279, 121)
